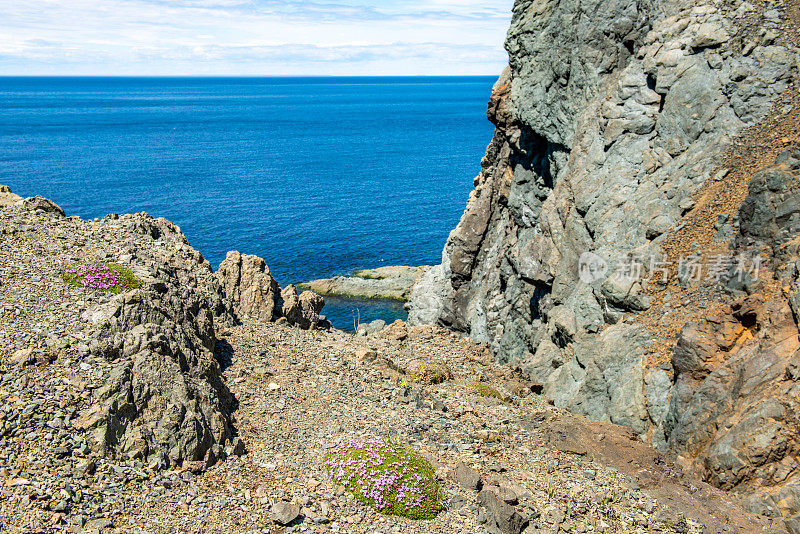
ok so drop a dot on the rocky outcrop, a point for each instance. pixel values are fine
(163, 401)
(248, 283)
(7, 198)
(302, 310)
(249, 286)
(389, 283)
(610, 115)
(733, 411)
(44, 204)
(610, 119)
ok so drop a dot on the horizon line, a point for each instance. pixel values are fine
(248, 75)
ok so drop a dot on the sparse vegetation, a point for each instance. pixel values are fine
(366, 276)
(485, 390)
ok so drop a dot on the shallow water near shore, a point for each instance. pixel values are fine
(347, 313)
(319, 176)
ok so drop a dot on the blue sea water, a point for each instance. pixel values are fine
(319, 176)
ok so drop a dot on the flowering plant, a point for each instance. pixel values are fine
(391, 477)
(103, 277)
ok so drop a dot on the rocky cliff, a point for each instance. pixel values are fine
(628, 144)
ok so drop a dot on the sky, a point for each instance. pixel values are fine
(253, 37)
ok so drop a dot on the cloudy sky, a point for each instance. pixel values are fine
(253, 37)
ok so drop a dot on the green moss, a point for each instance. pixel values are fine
(485, 390)
(387, 475)
(127, 282)
(366, 276)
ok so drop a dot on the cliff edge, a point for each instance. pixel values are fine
(618, 204)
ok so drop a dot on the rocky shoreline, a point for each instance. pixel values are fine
(383, 283)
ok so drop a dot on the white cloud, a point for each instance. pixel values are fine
(267, 37)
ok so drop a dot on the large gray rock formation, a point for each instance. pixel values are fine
(164, 400)
(610, 116)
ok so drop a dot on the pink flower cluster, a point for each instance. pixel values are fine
(95, 276)
(381, 473)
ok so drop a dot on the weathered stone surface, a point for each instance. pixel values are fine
(609, 118)
(248, 283)
(502, 516)
(165, 397)
(8, 198)
(164, 402)
(732, 413)
(366, 329)
(40, 203)
(302, 310)
(391, 282)
(23, 357)
(283, 513)
(396, 331)
(602, 135)
(771, 212)
(467, 476)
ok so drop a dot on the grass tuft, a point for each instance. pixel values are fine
(387, 475)
(485, 390)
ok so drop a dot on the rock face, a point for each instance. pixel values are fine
(164, 401)
(609, 118)
(40, 203)
(248, 283)
(8, 198)
(254, 293)
(302, 310)
(733, 410)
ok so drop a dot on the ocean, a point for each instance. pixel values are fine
(319, 176)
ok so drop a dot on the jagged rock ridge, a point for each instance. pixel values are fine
(609, 119)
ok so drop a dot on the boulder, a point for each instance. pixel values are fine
(302, 310)
(249, 285)
(467, 477)
(396, 331)
(501, 515)
(40, 203)
(366, 329)
(771, 211)
(164, 399)
(283, 513)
